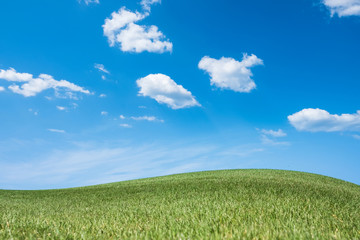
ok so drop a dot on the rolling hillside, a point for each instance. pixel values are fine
(239, 204)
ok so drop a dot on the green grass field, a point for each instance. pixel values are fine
(238, 204)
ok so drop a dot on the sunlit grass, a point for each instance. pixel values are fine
(239, 204)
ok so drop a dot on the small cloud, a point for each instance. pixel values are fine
(147, 118)
(103, 77)
(120, 29)
(104, 113)
(356, 136)
(30, 86)
(34, 112)
(102, 95)
(101, 68)
(87, 2)
(146, 4)
(142, 107)
(343, 8)
(271, 141)
(56, 130)
(318, 120)
(61, 108)
(273, 133)
(269, 137)
(2, 89)
(125, 125)
(122, 117)
(228, 73)
(165, 91)
(74, 105)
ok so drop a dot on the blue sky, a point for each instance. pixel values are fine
(101, 91)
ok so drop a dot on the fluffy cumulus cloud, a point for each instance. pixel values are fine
(27, 85)
(228, 73)
(318, 120)
(343, 8)
(165, 91)
(121, 29)
(2, 89)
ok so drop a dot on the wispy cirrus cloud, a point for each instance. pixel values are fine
(228, 73)
(147, 118)
(101, 68)
(356, 136)
(27, 85)
(121, 29)
(273, 133)
(87, 2)
(270, 137)
(166, 91)
(318, 120)
(56, 130)
(98, 163)
(125, 125)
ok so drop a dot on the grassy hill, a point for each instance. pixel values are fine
(239, 204)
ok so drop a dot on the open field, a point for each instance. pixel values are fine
(239, 204)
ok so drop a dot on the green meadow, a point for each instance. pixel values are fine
(229, 204)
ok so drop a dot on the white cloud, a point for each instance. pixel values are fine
(35, 112)
(104, 162)
(273, 133)
(343, 8)
(165, 91)
(121, 29)
(228, 73)
(87, 2)
(104, 113)
(32, 86)
(101, 68)
(122, 117)
(118, 21)
(318, 120)
(102, 95)
(125, 125)
(147, 118)
(269, 137)
(61, 108)
(56, 130)
(356, 136)
(2, 89)
(146, 4)
(265, 139)
(74, 105)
